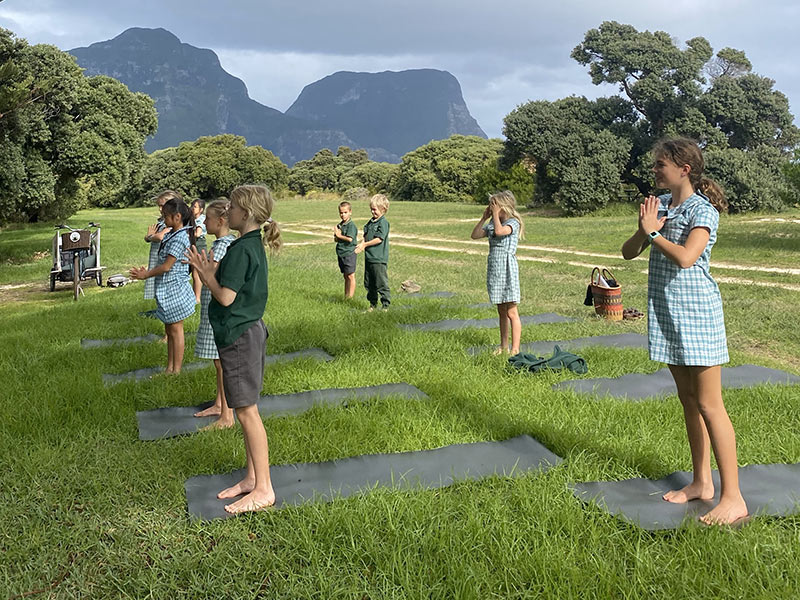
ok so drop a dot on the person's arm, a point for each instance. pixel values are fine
(683, 255)
(145, 273)
(500, 230)
(206, 267)
(362, 245)
(337, 234)
(478, 231)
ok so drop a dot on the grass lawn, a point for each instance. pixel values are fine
(88, 511)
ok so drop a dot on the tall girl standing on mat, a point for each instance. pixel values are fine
(239, 296)
(504, 230)
(205, 346)
(685, 324)
(156, 233)
(173, 290)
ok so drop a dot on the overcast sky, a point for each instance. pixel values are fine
(504, 52)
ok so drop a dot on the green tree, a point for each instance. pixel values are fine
(374, 176)
(519, 178)
(209, 167)
(445, 170)
(64, 138)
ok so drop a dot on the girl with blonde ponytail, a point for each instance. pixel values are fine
(238, 288)
(685, 324)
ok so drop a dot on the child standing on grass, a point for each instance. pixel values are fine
(685, 324)
(345, 234)
(205, 346)
(375, 246)
(504, 230)
(238, 288)
(156, 233)
(198, 207)
(173, 291)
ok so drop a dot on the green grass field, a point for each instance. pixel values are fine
(88, 511)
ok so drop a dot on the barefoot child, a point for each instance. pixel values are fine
(375, 246)
(239, 296)
(504, 230)
(156, 233)
(173, 291)
(684, 322)
(345, 234)
(206, 347)
(198, 206)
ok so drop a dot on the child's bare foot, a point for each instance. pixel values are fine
(727, 512)
(514, 351)
(499, 350)
(693, 491)
(169, 372)
(212, 411)
(219, 424)
(163, 340)
(254, 501)
(245, 486)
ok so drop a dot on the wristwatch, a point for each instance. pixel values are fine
(653, 235)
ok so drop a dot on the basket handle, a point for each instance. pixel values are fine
(608, 275)
(595, 277)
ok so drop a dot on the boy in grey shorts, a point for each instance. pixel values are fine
(345, 234)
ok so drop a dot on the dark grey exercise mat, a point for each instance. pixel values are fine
(772, 490)
(149, 314)
(450, 324)
(89, 343)
(177, 420)
(620, 340)
(145, 373)
(638, 386)
(323, 482)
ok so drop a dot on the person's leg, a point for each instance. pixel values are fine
(516, 326)
(731, 505)
(502, 315)
(197, 286)
(179, 343)
(701, 486)
(220, 407)
(349, 285)
(370, 284)
(248, 483)
(382, 284)
(262, 494)
(168, 333)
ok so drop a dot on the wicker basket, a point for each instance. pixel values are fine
(607, 298)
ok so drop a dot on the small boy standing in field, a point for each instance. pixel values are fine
(375, 247)
(345, 234)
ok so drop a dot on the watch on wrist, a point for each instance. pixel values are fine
(654, 234)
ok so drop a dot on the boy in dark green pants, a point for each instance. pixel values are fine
(375, 246)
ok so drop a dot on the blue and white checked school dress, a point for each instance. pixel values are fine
(174, 293)
(502, 271)
(152, 261)
(206, 347)
(685, 324)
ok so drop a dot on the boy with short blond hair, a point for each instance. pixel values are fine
(345, 234)
(375, 246)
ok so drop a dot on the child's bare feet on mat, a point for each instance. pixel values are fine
(219, 424)
(499, 350)
(254, 501)
(693, 491)
(727, 512)
(163, 340)
(245, 486)
(212, 411)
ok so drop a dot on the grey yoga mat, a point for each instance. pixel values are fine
(176, 420)
(147, 372)
(772, 490)
(323, 482)
(88, 344)
(638, 386)
(427, 295)
(621, 340)
(450, 324)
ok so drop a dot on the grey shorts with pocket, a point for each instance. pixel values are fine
(243, 366)
(347, 264)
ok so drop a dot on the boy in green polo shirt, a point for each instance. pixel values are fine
(345, 234)
(375, 246)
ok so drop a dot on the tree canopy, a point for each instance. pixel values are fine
(584, 150)
(65, 139)
(347, 169)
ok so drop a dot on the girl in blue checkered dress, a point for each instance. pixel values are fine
(156, 233)
(174, 296)
(504, 230)
(216, 224)
(685, 323)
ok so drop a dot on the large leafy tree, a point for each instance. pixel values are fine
(208, 167)
(665, 90)
(64, 138)
(347, 169)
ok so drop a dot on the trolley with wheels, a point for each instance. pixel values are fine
(76, 257)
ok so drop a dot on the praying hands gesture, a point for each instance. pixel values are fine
(202, 263)
(153, 235)
(648, 216)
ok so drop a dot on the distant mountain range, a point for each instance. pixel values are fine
(388, 113)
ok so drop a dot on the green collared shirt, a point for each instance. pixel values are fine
(377, 228)
(243, 269)
(350, 230)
